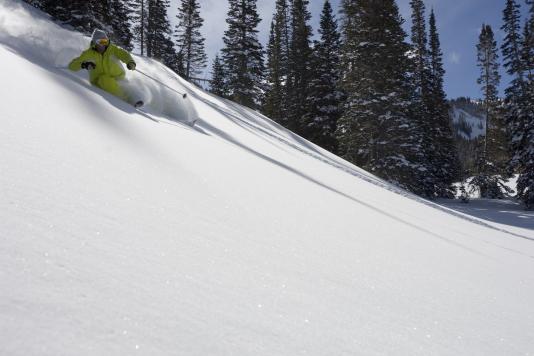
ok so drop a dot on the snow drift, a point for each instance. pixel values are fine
(127, 233)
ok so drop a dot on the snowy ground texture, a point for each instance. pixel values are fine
(124, 233)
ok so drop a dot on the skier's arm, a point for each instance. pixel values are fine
(76, 64)
(123, 55)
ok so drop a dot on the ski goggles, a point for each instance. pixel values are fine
(102, 42)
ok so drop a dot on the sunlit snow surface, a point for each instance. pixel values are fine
(121, 235)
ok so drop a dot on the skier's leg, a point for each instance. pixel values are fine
(110, 85)
(132, 92)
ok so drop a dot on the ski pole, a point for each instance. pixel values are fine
(184, 95)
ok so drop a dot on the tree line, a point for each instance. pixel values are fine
(508, 146)
(359, 90)
(363, 89)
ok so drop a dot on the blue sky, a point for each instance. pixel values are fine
(459, 22)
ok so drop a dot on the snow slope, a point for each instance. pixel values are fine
(463, 120)
(124, 233)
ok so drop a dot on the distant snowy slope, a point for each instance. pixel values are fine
(468, 119)
(125, 233)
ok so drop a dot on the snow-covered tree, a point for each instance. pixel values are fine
(519, 98)
(376, 130)
(489, 176)
(422, 109)
(511, 46)
(275, 105)
(275, 95)
(158, 35)
(489, 80)
(242, 54)
(299, 68)
(488, 63)
(82, 15)
(218, 78)
(189, 39)
(445, 160)
(420, 48)
(120, 17)
(140, 22)
(325, 97)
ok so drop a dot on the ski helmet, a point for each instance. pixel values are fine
(99, 38)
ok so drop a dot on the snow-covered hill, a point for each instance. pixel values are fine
(124, 233)
(468, 118)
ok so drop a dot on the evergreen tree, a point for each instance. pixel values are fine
(172, 58)
(275, 105)
(488, 179)
(420, 47)
(511, 46)
(519, 98)
(299, 66)
(375, 130)
(422, 109)
(274, 97)
(119, 21)
(158, 35)
(218, 78)
(189, 39)
(528, 43)
(487, 59)
(446, 164)
(81, 15)
(243, 54)
(523, 136)
(112, 16)
(324, 96)
(139, 10)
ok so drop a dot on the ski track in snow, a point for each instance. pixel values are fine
(366, 177)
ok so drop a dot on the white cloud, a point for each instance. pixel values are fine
(455, 57)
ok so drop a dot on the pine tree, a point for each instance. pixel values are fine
(139, 10)
(158, 35)
(375, 130)
(274, 96)
(523, 140)
(446, 164)
(519, 98)
(422, 106)
(324, 96)
(119, 22)
(527, 52)
(218, 78)
(487, 59)
(81, 15)
(172, 58)
(112, 16)
(488, 178)
(189, 39)
(420, 47)
(511, 46)
(275, 105)
(243, 54)
(299, 66)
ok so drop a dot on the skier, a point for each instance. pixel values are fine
(102, 62)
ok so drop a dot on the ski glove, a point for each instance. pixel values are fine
(88, 65)
(131, 65)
